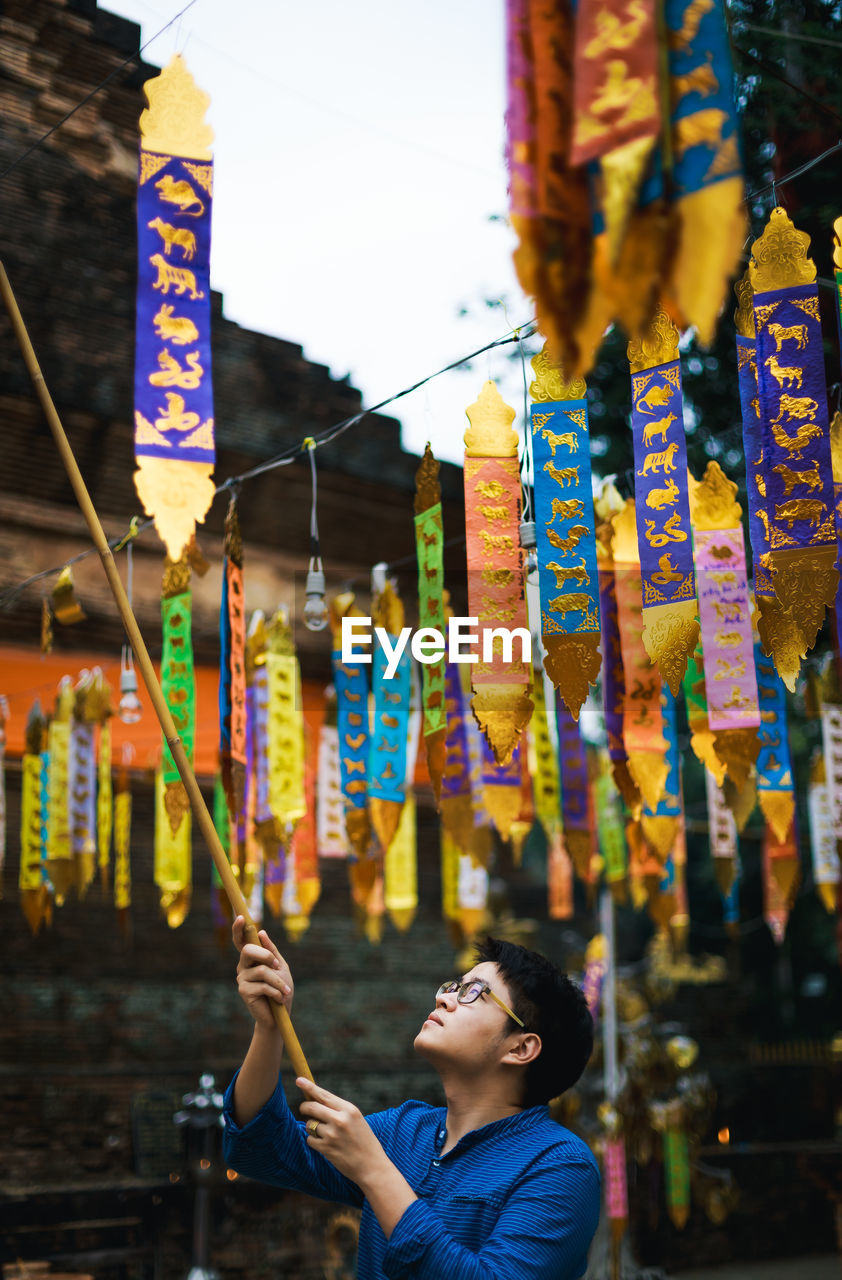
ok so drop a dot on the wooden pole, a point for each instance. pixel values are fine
(156, 694)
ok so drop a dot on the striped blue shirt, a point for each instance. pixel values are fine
(517, 1199)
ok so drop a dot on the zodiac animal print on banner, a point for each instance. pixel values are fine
(173, 400)
(564, 520)
(799, 494)
(670, 629)
(429, 543)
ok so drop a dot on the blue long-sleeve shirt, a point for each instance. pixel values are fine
(517, 1199)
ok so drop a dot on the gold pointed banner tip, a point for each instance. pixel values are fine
(670, 636)
(174, 122)
(457, 818)
(778, 808)
(490, 434)
(805, 583)
(649, 771)
(782, 639)
(738, 750)
(572, 662)
(713, 501)
(658, 344)
(427, 486)
(550, 385)
(660, 833)
(503, 806)
(177, 495)
(502, 713)
(436, 744)
(779, 257)
(385, 817)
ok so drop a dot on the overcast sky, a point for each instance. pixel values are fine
(359, 160)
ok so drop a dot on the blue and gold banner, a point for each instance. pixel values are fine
(457, 812)
(352, 725)
(775, 790)
(387, 754)
(799, 496)
(670, 629)
(174, 416)
(565, 527)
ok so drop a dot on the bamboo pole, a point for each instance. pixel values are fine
(156, 694)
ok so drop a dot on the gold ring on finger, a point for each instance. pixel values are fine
(312, 1128)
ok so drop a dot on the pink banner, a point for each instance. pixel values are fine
(495, 570)
(726, 629)
(616, 1190)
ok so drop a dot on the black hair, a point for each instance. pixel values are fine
(552, 1006)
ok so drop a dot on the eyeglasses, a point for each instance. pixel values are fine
(468, 992)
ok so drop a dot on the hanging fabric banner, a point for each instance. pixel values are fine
(670, 629)
(59, 852)
(449, 880)
(4, 716)
(559, 880)
(173, 873)
(391, 696)
(594, 975)
(500, 679)
(173, 398)
(836, 461)
(232, 673)
(104, 806)
(755, 459)
(545, 771)
(400, 870)
(564, 521)
(332, 838)
(351, 687)
(722, 836)
(695, 698)
(303, 886)
(429, 545)
(616, 1187)
(823, 833)
(799, 496)
(832, 744)
(725, 612)
(220, 907)
(82, 783)
(501, 796)
(480, 763)
(642, 718)
(660, 824)
(617, 108)
(257, 678)
(781, 873)
(775, 791)
(457, 813)
(613, 678)
(611, 835)
(676, 1165)
(122, 843)
(575, 791)
(287, 799)
(525, 819)
(32, 886)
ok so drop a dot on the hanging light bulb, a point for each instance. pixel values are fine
(315, 605)
(529, 542)
(129, 708)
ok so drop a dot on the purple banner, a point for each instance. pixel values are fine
(755, 464)
(573, 769)
(173, 385)
(613, 677)
(662, 504)
(793, 409)
(457, 773)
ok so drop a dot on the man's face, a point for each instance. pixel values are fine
(468, 1035)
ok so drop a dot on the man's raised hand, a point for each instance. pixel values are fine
(262, 975)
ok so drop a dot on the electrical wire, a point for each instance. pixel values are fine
(5, 172)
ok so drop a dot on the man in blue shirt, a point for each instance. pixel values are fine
(486, 1188)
